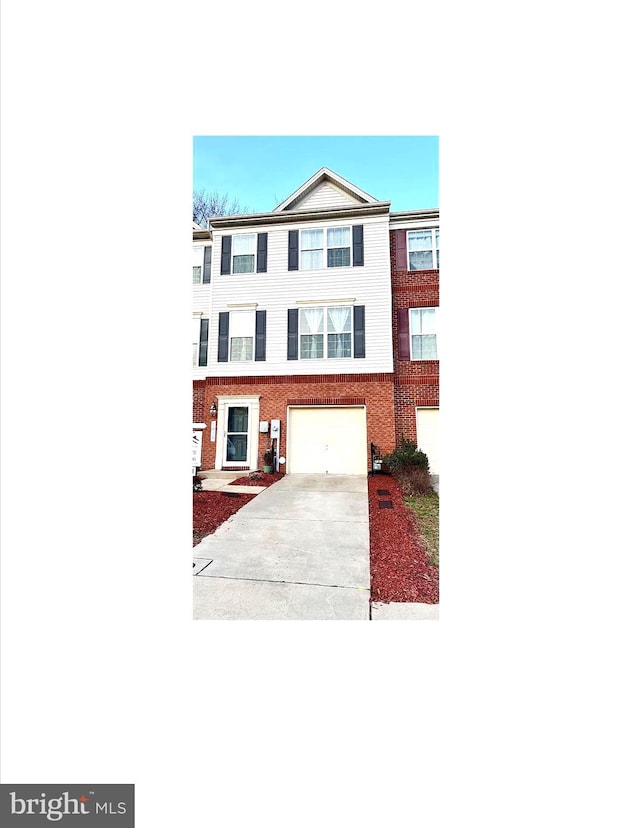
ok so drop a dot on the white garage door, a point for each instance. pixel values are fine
(427, 428)
(327, 440)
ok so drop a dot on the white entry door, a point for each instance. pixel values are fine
(237, 432)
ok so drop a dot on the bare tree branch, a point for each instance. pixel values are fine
(206, 204)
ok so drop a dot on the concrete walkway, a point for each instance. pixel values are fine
(298, 551)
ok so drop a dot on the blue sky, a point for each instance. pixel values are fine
(261, 171)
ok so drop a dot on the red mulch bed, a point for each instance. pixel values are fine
(258, 479)
(211, 509)
(398, 560)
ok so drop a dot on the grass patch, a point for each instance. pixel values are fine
(427, 512)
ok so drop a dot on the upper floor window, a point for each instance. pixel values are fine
(423, 247)
(330, 247)
(422, 329)
(326, 332)
(241, 335)
(243, 253)
(198, 253)
(200, 341)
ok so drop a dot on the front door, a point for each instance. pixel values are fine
(237, 445)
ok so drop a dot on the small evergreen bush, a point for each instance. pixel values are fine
(410, 467)
(406, 456)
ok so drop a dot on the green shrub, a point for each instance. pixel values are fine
(410, 467)
(406, 456)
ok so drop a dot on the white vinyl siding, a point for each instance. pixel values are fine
(325, 196)
(369, 285)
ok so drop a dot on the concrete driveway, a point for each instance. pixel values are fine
(297, 551)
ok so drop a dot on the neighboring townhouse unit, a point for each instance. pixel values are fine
(297, 331)
(415, 283)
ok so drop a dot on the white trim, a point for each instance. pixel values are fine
(243, 305)
(198, 249)
(234, 236)
(325, 301)
(325, 247)
(414, 224)
(325, 174)
(199, 425)
(253, 404)
(325, 337)
(435, 333)
(434, 249)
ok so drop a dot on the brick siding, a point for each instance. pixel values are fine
(416, 382)
(346, 389)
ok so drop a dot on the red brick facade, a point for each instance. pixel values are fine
(375, 391)
(390, 399)
(416, 382)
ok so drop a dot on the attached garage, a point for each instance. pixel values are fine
(327, 440)
(427, 431)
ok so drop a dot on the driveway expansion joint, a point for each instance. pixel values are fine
(294, 583)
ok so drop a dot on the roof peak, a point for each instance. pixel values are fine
(318, 178)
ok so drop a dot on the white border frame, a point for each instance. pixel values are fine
(234, 236)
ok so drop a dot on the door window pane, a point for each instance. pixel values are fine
(238, 418)
(237, 448)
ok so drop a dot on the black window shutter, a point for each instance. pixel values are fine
(206, 276)
(262, 253)
(225, 261)
(358, 331)
(261, 331)
(204, 341)
(358, 246)
(292, 334)
(293, 254)
(223, 336)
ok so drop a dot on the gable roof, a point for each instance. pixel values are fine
(323, 175)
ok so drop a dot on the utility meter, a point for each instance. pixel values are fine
(275, 428)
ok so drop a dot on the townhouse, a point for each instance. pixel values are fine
(314, 330)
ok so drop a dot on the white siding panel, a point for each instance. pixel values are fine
(326, 195)
(279, 289)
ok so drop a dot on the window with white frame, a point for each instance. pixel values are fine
(423, 248)
(243, 253)
(195, 339)
(422, 328)
(325, 247)
(326, 332)
(198, 255)
(242, 326)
